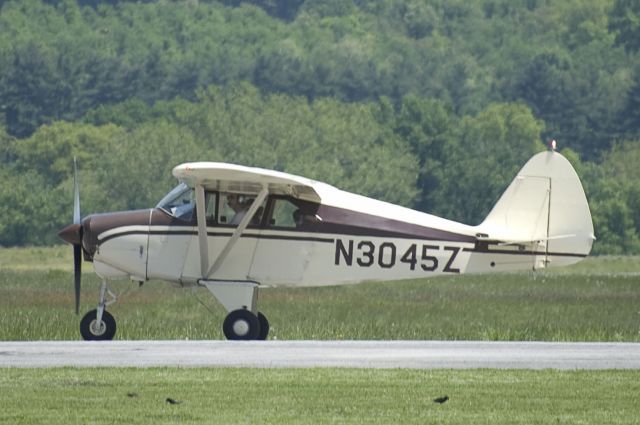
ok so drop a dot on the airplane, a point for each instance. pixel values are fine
(236, 229)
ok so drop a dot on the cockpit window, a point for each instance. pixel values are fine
(293, 213)
(285, 213)
(234, 207)
(180, 202)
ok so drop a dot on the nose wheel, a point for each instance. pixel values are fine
(99, 324)
(94, 329)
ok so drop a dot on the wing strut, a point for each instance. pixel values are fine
(236, 234)
(202, 229)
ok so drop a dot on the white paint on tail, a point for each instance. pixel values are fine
(545, 203)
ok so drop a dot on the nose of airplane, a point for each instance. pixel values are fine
(80, 234)
(71, 234)
(87, 232)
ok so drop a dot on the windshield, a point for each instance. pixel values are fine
(179, 202)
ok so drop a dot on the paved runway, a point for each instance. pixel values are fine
(353, 354)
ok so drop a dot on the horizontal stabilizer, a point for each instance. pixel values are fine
(525, 242)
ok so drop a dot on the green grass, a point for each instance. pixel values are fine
(596, 300)
(58, 257)
(344, 396)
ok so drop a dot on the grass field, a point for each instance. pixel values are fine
(596, 300)
(316, 396)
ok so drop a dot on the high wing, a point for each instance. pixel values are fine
(226, 177)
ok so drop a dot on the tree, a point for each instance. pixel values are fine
(426, 125)
(483, 157)
(614, 198)
(332, 141)
(628, 120)
(136, 171)
(31, 209)
(51, 149)
(624, 21)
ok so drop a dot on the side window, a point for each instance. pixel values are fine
(284, 214)
(233, 207)
(211, 200)
(226, 211)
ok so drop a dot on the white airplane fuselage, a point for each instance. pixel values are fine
(275, 257)
(299, 257)
(541, 220)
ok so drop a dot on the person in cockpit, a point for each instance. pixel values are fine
(239, 205)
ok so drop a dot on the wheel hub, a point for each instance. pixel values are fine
(97, 328)
(241, 327)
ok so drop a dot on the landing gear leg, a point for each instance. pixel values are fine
(99, 324)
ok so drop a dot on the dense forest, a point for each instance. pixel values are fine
(432, 104)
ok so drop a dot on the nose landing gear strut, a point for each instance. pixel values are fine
(99, 324)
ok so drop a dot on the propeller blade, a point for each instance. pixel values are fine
(76, 194)
(77, 273)
(77, 248)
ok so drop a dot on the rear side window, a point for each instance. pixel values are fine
(284, 213)
(294, 213)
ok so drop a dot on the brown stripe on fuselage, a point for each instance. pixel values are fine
(96, 224)
(343, 221)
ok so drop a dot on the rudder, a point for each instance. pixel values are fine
(545, 203)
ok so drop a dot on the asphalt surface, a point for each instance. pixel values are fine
(352, 354)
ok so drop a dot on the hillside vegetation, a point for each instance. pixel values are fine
(432, 104)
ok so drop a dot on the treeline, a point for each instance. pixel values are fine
(572, 62)
(420, 155)
(431, 104)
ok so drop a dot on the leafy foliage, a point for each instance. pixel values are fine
(616, 199)
(433, 105)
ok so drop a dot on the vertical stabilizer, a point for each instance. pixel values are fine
(546, 204)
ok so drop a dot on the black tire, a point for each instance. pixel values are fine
(241, 325)
(264, 327)
(90, 332)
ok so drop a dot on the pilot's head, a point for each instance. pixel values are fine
(236, 201)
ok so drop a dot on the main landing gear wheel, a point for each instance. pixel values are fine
(92, 330)
(243, 325)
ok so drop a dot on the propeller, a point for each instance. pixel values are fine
(73, 234)
(77, 268)
(77, 248)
